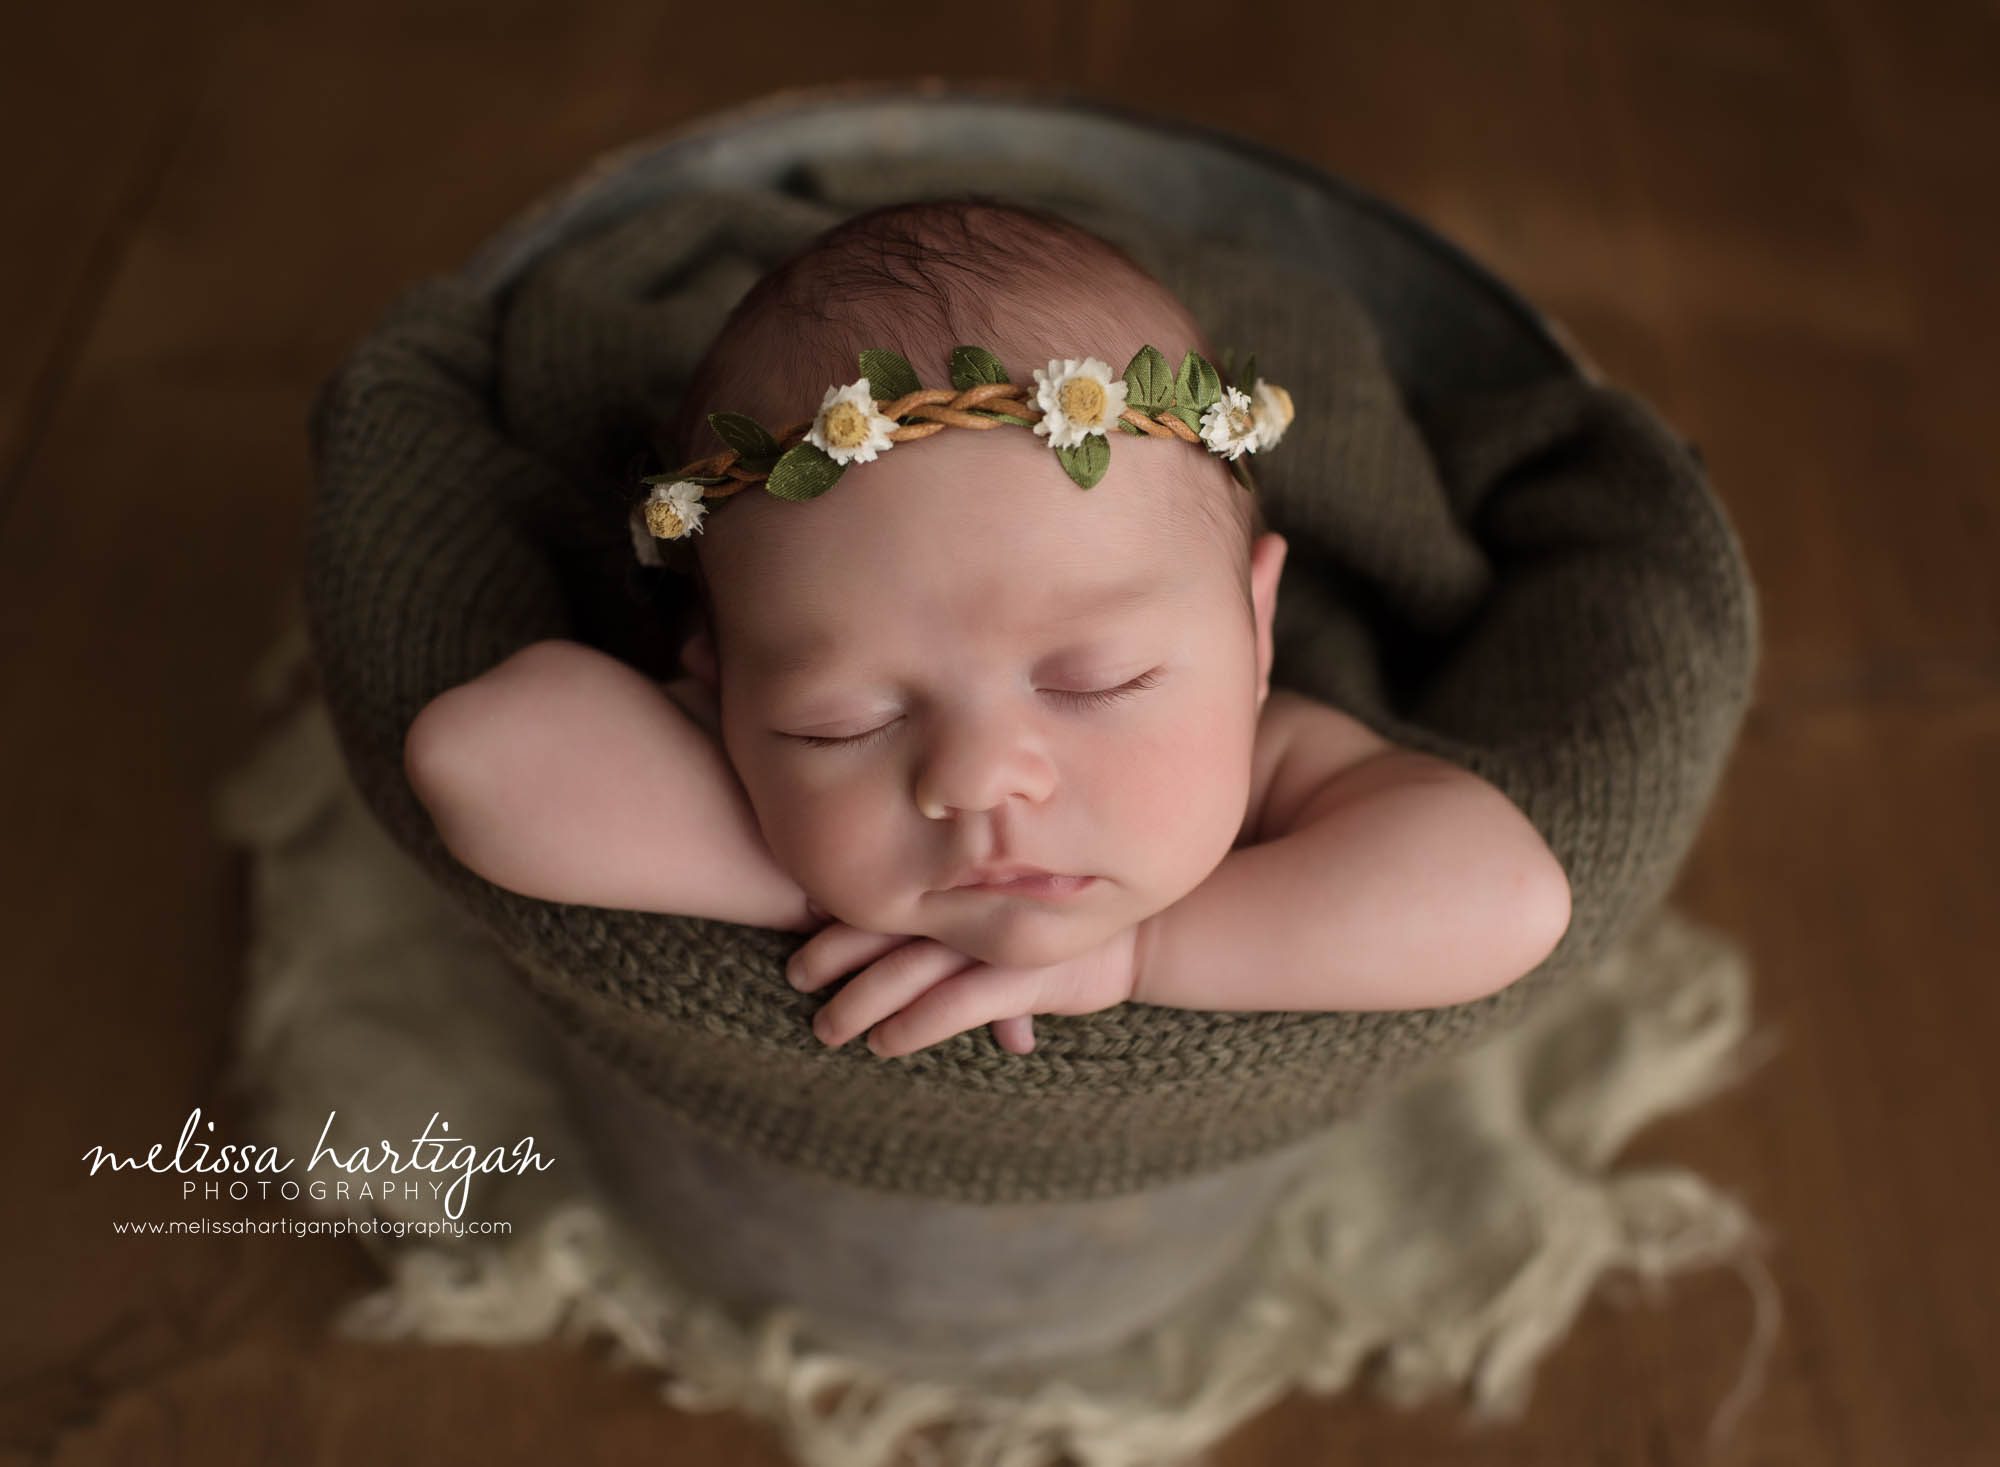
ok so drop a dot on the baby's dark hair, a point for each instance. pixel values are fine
(922, 277)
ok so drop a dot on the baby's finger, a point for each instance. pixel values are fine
(883, 987)
(834, 950)
(1016, 1035)
(979, 995)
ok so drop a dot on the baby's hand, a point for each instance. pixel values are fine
(916, 992)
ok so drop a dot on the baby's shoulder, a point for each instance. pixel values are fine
(1301, 742)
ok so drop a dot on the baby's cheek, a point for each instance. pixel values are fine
(1179, 778)
(1181, 801)
(824, 839)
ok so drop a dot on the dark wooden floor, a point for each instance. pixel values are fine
(1776, 221)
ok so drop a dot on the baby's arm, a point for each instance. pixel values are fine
(564, 774)
(1403, 882)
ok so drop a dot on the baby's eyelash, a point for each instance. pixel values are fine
(1093, 700)
(814, 741)
(1112, 695)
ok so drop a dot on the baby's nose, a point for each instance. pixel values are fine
(981, 765)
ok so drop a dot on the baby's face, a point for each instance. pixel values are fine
(921, 670)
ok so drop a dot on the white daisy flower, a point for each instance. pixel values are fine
(847, 428)
(1228, 427)
(1271, 408)
(1077, 399)
(671, 512)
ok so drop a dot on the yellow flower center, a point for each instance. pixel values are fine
(664, 521)
(1082, 400)
(846, 425)
(1239, 422)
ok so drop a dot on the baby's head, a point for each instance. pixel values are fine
(956, 655)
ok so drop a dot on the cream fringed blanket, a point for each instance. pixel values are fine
(1453, 1231)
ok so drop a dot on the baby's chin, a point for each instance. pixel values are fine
(1021, 933)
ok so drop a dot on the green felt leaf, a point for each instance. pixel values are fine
(972, 366)
(1086, 462)
(703, 480)
(1249, 373)
(1135, 432)
(803, 472)
(1149, 381)
(889, 374)
(1003, 417)
(1198, 385)
(753, 443)
(1187, 415)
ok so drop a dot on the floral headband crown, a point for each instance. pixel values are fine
(1074, 405)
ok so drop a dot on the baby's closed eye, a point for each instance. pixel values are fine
(1088, 698)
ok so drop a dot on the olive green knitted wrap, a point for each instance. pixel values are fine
(1536, 584)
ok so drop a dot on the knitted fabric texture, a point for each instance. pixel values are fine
(1534, 583)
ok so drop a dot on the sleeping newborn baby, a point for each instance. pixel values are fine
(1003, 744)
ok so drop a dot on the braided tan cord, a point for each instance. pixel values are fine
(942, 407)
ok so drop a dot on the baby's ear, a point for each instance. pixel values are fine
(698, 658)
